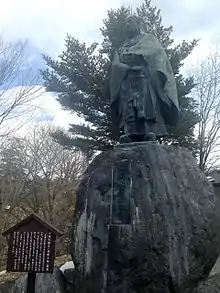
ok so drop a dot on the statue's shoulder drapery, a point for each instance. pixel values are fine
(147, 46)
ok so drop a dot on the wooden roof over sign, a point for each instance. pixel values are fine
(35, 217)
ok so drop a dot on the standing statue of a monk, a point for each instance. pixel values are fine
(142, 85)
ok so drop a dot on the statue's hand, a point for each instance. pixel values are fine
(134, 60)
(128, 58)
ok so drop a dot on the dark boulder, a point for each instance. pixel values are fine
(146, 220)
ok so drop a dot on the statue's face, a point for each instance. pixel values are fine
(132, 28)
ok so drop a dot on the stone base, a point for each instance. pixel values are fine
(135, 144)
(146, 220)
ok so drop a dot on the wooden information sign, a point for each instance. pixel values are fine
(31, 248)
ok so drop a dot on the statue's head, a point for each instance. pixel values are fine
(132, 26)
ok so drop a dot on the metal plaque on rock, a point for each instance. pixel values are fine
(121, 193)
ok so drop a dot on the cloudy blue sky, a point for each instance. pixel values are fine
(44, 24)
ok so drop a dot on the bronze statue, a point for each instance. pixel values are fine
(142, 86)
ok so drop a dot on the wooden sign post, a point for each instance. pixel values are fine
(31, 248)
(31, 282)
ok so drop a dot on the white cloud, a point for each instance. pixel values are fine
(51, 106)
(46, 22)
(17, 106)
(46, 105)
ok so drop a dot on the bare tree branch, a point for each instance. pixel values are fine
(49, 173)
(16, 101)
(207, 94)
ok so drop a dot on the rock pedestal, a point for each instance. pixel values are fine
(146, 220)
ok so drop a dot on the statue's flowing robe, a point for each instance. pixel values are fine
(154, 91)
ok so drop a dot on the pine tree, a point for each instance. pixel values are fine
(81, 79)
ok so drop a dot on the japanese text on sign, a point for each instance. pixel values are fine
(31, 251)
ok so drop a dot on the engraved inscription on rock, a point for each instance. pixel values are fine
(121, 193)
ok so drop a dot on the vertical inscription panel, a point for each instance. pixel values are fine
(31, 252)
(121, 193)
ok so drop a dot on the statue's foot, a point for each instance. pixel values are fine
(150, 137)
(124, 139)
